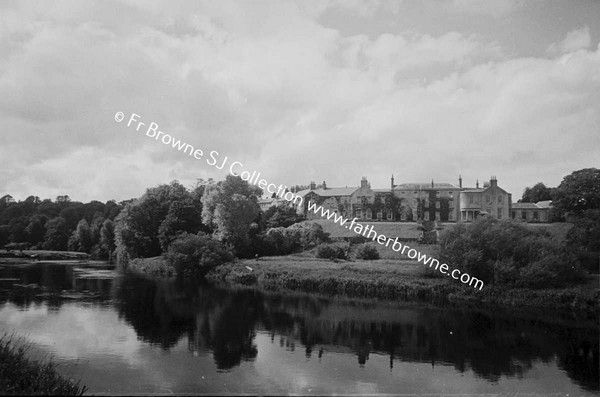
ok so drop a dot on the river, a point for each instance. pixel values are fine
(129, 334)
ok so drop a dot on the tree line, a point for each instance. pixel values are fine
(60, 225)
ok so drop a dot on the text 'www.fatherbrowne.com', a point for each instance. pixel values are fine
(236, 168)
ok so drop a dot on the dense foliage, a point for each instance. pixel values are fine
(332, 251)
(147, 226)
(59, 225)
(578, 192)
(196, 254)
(230, 210)
(298, 237)
(509, 253)
(367, 252)
(539, 192)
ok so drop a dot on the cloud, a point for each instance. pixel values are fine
(575, 40)
(267, 85)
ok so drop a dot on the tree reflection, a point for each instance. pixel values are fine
(224, 322)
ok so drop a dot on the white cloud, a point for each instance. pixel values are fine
(265, 84)
(575, 40)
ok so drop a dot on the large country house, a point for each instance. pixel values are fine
(410, 201)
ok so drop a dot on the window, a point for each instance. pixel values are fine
(389, 216)
(379, 215)
(450, 216)
(535, 216)
(499, 213)
(437, 215)
(426, 203)
(427, 216)
(437, 194)
(499, 199)
(513, 214)
(369, 213)
(524, 215)
(451, 194)
(437, 204)
(451, 204)
(359, 214)
(488, 198)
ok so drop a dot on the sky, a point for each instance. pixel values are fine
(299, 91)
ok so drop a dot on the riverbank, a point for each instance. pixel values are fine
(10, 256)
(390, 280)
(22, 376)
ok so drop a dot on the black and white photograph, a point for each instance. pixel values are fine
(300, 197)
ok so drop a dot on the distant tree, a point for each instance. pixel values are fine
(18, 231)
(107, 238)
(280, 216)
(539, 192)
(4, 235)
(57, 234)
(230, 208)
(578, 192)
(36, 230)
(83, 236)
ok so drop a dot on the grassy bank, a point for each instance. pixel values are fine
(21, 376)
(394, 280)
(155, 266)
(42, 255)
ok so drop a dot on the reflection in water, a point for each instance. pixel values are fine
(224, 323)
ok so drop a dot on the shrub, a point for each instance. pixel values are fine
(509, 253)
(196, 254)
(367, 252)
(331, 251)
(285, 241)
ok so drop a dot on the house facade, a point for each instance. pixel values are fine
(442, 202)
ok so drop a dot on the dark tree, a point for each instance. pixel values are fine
(578, 192)
(539, 192)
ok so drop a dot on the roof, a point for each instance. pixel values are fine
(381, 190)
(336, 191)
(473, 190)
(424, 186)
(527, 206)
(329, 192)
(544, 204)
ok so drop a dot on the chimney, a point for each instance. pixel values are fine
(460, 181)
(392, 181)
(493, 181)
(324, 185)
(477, 184)
(364, 183)
(432, 183)
(313, 186)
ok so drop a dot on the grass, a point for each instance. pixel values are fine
(21, 376)
(393, 279)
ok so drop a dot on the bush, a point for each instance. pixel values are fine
(509, 253)
(196, 254)
(298, 237)
(367, 252)
(331, 251)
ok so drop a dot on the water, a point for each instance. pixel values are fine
(126, 334)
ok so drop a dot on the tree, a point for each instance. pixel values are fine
(578, 192)
(195, 254)
(83, 237)
(107, 238)
(36, 230)
(137, 226)
(280, 216)
(539, 192)
(57, 234)
(230, 208)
